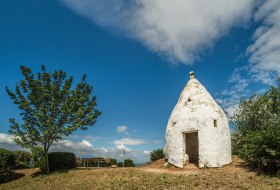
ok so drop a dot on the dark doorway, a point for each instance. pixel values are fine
(192, 146)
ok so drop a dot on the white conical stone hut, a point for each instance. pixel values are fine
(197, 130)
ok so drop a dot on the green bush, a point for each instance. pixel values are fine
(257, 130)
(157, 154)
(7, 163)
(120, 164)
(129, 163)
(37, 153)
(7, 160)
(61, 160)
(113, 161)
(42, 164)
(23, 159)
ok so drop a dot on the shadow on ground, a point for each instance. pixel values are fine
(40, 173)
(7, 176)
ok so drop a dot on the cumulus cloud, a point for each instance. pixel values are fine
(129, 141)
(86, 143)
(5, 138)
(123, 147)
(121, 129)
(87, 137)
(82, 149)
(177, 30)
(6, 141)
(147, 152)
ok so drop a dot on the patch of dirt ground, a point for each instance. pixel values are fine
(161, 166)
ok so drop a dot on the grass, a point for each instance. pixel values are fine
(229, 177)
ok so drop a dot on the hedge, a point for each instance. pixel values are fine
(7, 163)
(60, 161)
(157, 154)
(7, 160)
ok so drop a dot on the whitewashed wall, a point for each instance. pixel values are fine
(196, 110)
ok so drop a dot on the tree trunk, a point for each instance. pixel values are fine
(47, 169)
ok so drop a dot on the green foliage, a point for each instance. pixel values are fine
(62, 160)
(129, 163)
(113, 161)
(7, 163)
(23, 159)
(37, 153)
(7, 160)
(157, 154)
(120, 164)
(50, 108)
(256, 137)
(42, 164)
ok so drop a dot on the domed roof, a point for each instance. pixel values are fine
(195, 102)
(197, 114)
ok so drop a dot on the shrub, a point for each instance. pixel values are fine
(113, 161)
(23, 159)
(42, 164)
(7, 160)
(129, 163)
(7, 163)
(37, 153)
(157, 154)
(61, 160)
(120, 164)
(257, 130)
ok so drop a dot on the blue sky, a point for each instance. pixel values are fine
(137, 55)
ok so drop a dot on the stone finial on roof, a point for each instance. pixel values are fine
(191, 75)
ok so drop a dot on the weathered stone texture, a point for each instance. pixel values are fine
(196, 111)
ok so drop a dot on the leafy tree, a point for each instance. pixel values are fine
(157, 154)
(257, 130)
(129, 163)
(50, 108)
(113, 161)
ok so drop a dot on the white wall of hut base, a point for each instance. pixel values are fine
(197, 114)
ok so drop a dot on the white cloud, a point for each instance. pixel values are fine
(121, 129)
(5, 138)
(6, 141)
(129, 141)
(147, 152)
(87, 137)
(123, 147)
(177, 30)
(86, 143)
(82, 149)
(105, 150)
(228, 98)
(264, 53)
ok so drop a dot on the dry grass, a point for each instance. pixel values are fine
(229, 177)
